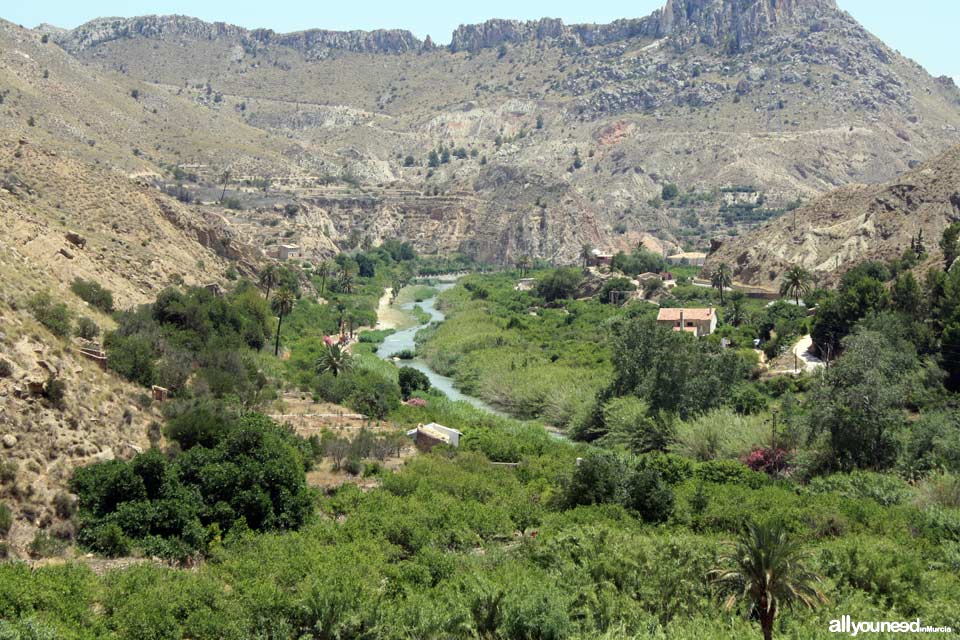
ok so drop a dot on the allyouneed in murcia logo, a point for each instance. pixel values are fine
(845, 624)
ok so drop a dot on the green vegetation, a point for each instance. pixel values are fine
(56, 317)
(697, 499)
(93, 293)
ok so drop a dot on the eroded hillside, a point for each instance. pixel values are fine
(781, 100)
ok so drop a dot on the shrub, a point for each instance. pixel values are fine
(93, 294)
(729, 472)
(768, 460)
(109, 540)
(55, 391)
(55, 317)
(669, 191)
(44, 545)
(883, 488)
(354, 467)
(6, 519)
(6, 369)
(87, 328)
(65, 505)
(411, 380)
(648, 495)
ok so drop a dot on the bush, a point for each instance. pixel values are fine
(648, 495)
(729, 472)
(55, 317)
(109, 540)
(6, 369)
(411, 380)
(87, 328)
(6, 519)
(55, 391)
(65, 505)
(669, 191)
(354, 467)
(44, 545)
(93, 294)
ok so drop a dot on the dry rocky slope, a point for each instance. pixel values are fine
(76, 202)
(850, 225)
(746, 105)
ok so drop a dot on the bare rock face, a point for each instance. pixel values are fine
(850, 225)
(310, 43)
(734, 24)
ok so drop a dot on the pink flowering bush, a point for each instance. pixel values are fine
(769, 460)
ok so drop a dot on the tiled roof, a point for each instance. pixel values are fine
(673, 315)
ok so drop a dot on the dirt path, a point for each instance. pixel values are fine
(390, 316)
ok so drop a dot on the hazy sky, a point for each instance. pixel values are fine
(925, 30)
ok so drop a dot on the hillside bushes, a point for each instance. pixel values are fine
(93, 293)
(239, 473)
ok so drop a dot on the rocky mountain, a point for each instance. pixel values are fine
(850, 225)
(557, 134)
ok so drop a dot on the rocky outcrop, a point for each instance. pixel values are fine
(310, 43)
(732, 24)
(850, 225)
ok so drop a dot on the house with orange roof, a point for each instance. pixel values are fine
(698, 321)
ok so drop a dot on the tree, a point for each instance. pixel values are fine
(226, 181)
(282, 305)
(523, 264)
(345, 280)
(796, 283)
(767, 569)
(736, 314)
(721, 279)
(950, 245)
(411, 380)
(334, 359)
(906, 295)
(558, 284)
(433, 159)
(860, 401)
(269, 277)
(324, 269)
(669, 191)
(612, 288)
(586, 253)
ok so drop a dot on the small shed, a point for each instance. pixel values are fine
(288, 252)
(427, 436)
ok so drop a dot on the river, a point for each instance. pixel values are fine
(404, 340)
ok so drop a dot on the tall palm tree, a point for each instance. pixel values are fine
(586, 252)
(323, 270)
(766, 568)
(269, 277)
(334, 359)
(721, 279)
(796, 283)
(523, 264)
(282, 305)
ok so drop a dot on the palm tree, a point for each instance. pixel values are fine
(269, 277)
(323, 270)
(523, 264)
(282, 305)
(721, 279)
(586, 252)
(796, 283)
(345, 281)
(736, 315)
(766, 568)
(334, 359)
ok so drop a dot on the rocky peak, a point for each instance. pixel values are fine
(735, 24)
(309, 42)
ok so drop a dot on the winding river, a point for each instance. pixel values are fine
(404, 340)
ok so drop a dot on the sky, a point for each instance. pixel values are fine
(925, 30)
